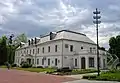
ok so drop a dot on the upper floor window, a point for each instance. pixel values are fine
(48, 48)
(94, 48)
(24, 51)
(66, 45)
(33, 51)
(43, 50)
(38, 50)
(90, 49)
(71, 48)
(81, 47)
(56, 48)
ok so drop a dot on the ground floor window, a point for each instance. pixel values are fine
(37, 61)
(75, 62)
(48, 61)
(32, 61)
(103, 62)
(56, 62)
(42, 61)
(91, 62)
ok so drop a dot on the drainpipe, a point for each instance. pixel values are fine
(62, 53)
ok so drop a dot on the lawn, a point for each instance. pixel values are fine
(33, 69)
(37, 69)
(112, 75)
(51, 70)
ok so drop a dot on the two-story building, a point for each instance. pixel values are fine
(61, 49)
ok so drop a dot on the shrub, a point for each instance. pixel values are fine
(39, 66)
(89, 76)
(14, 65)
(26, 65)
(64, 69)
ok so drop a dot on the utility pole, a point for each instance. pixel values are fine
(10, 45)
(97, 21)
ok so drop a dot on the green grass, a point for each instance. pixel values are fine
(32, 69)
(3, 66)
(37, 69)
(83, 71)
(113, 75)
(51, 70)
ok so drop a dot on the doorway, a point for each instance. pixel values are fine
(29, 60)
(83, 63)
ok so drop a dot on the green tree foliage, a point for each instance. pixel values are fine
(114, 44)
(20, 38)
(3, 50)
(7, 49)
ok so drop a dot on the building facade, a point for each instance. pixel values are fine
(61, 49)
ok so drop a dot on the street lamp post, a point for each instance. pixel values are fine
(97, 21)
(10, 44)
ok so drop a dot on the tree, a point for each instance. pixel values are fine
(14, 45)
(20, 38)
(3, 50)
(114, 44)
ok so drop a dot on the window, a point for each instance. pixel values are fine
(37, 61)
(24, 51)
(91, 62)
(43, 49)
(81, 47)
(75, 62)
(22, 59)
(33, 51)
(56, 62)
(66, 45)
(42, 61)
(38, 50)
(33, 61)
(56, 48)
(104, 63)
(30, 51)
(48, 48)
(93, 47)
(27, 51)
(71, 48)
(48, 61)
(18, 61)
(90, 50)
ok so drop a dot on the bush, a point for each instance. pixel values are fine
(26, 65)
(82, 71)
(89, 76)
(14, 65)
(64, 69)
(39, 66)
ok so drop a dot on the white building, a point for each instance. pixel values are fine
(61, 49)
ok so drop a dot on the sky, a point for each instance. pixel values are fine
(39, 17)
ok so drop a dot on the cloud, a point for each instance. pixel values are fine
(35, 17)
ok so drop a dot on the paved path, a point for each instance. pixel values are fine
(88, 81)
(18, 76)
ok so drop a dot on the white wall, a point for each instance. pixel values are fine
(67, 56)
